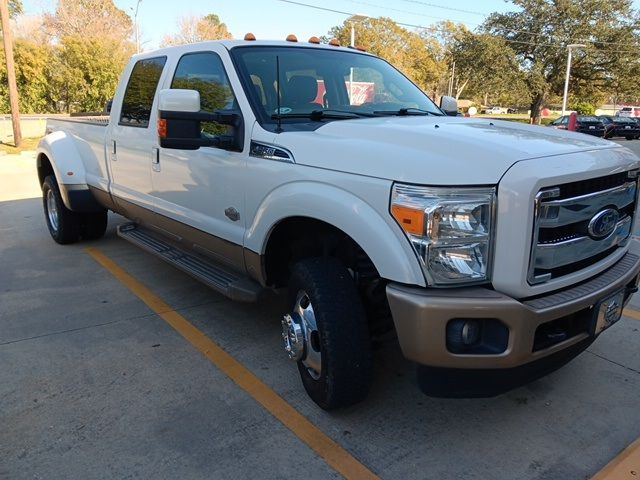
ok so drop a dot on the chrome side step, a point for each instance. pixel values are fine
(222, 280)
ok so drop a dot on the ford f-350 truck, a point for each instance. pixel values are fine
(499, 250)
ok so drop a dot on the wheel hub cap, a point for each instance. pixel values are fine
(52, 210)
(293, 338)
(302, 337)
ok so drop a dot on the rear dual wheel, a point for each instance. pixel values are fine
(67, 226)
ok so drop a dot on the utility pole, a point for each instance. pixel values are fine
(11, 72)
(566, 80)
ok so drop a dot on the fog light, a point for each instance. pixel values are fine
(462, 333)
(477, 336)
(470, 332)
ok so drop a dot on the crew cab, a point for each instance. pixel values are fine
(496, 251)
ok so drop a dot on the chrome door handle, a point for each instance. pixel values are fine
(155, 159)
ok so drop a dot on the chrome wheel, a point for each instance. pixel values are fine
(301, 336)
(52, 210)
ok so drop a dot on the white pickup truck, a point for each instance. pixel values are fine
(498, 250)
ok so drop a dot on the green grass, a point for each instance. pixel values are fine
(27, 144)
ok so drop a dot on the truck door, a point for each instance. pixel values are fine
(199, 193)
(133, 140)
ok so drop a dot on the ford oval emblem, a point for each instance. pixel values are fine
(603, 223)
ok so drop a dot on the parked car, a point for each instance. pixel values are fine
(494, 110)
(629, 112)
(626, 127)
(585, 124)
(512, 110)
(468, 236)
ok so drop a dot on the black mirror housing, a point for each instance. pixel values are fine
(183, 130)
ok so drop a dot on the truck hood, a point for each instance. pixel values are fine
(431, 150)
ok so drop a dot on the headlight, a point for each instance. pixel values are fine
(450, 230)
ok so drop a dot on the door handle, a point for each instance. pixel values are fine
(114, 157)
(155, 159)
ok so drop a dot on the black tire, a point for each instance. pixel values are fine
(94, 224)
(345, 345)
(68, 223)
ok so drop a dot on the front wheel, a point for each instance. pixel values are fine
(327, 333)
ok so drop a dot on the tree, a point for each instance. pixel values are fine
(415, 56)
(31, 61)
(89, 19)
(30, 28)
(15, 8)
(485, 65)
(540, 30)
(194, 29)
(84, 73)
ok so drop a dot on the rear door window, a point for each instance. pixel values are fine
(140, 92)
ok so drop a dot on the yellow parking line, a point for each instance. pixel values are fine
(332, 453)
(628, 312)
(625, 466)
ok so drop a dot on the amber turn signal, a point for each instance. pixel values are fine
(410, 219)
(162, 128)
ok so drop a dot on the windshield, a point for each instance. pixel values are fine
(334, 84)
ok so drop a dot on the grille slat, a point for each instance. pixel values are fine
(562, 241)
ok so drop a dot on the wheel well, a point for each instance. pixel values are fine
(296, 238)
(44, 168)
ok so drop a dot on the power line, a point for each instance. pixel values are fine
(502, 27)
(401, 10)
(425, 28)
(453, 9)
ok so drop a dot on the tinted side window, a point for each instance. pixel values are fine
(205, 73)
(141, 89)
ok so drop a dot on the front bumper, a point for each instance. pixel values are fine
(421, 317)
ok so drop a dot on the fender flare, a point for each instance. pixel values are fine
(380, 238)
(69, 171)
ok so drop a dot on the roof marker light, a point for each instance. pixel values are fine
(291, 38)
(250, 37)
(334, 42)
(315, 40)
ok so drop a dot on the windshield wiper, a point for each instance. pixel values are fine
(317, 115)
(405, 112)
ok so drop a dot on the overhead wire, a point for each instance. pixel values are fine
(435, 28)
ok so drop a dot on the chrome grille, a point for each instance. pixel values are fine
(580, 223)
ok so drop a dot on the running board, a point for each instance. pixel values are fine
(222, 280)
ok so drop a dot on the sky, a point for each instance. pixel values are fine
(275, 19)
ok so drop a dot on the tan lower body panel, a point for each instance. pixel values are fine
(421, 317)
(217, 249)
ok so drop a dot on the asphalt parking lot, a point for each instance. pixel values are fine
(98, 379)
